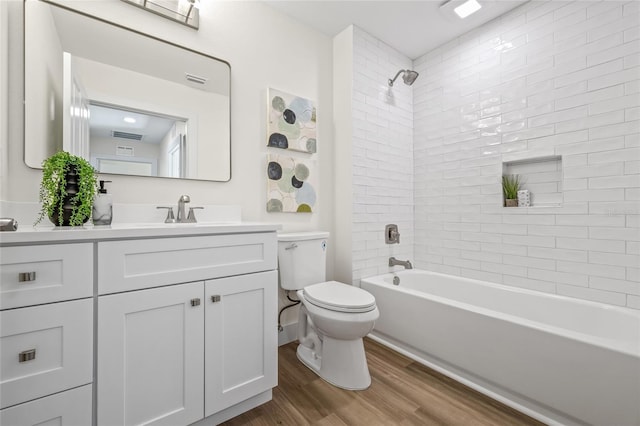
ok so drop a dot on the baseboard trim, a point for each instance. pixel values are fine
(288, 334)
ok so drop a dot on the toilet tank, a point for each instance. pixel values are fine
(302, 259)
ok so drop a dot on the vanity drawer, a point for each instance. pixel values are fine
(33, 275)
(69, 408)
(45, 349)
(137, 264)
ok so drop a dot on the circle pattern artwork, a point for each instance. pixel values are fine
(290, 185)
(292, 122)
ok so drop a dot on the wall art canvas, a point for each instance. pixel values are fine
(291, 185)
(292, 122)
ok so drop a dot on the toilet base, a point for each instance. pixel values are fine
(342, 363)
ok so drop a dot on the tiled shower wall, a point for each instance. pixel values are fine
(382, 156)
(548, 79)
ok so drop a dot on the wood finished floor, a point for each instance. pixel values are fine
(402, 392)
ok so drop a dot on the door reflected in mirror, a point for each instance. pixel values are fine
(127, 102)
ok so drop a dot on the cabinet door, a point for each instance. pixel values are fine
(241, 339)
(151, 356)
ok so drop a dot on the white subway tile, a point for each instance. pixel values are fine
(558, 277)
(620, 286)
(590, 73)
(501, 268)
(612, 246)
(628, 154)
(632, 194)
(558, 231)
(628, 21)
(616, 272)
(633, 302)
(558, 254)
(599, 81)
(614, 208)
(617, 259)
(591, 146)
(614, 104)
(530, 262)
(612, 54)
(590, 220)
(608, 233)
(592, 294)
(521, 282)
(594, 195)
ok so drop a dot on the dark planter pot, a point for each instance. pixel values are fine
(72, 190)
(511, 202)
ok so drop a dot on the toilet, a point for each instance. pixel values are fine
(333, 317)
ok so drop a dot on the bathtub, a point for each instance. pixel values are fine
(557, 359)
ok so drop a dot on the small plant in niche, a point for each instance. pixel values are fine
(67, 189)
(510, 186)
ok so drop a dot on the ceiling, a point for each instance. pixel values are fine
(411, 27)
(106, 119)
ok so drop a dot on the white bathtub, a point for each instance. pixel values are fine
(560, 360)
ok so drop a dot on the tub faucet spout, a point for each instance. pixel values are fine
(393, 262)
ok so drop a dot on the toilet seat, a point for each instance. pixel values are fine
(339, 297)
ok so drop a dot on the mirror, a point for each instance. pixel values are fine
(127, 102)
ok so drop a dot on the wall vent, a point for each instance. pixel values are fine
(126, 135)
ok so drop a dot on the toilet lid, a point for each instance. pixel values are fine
(340, 297)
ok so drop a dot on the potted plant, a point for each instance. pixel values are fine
(67, 189)
(510, 188)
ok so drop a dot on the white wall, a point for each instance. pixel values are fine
(265, 49)
(549, 78)
(382, 156)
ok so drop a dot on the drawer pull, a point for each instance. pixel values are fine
(195, 302)
(215, 298)
(28, 355)
(26, 276)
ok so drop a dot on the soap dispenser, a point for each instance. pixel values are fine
(102, 206)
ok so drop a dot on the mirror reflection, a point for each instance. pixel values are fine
(129, 103)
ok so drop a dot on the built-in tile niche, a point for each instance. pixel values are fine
(542, 176)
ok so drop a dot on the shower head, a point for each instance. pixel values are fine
(409, 77)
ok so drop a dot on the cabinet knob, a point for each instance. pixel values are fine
(27, 355)
(195, 302)
(215, 298)
(26, 276)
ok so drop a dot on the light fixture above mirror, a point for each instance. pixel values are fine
(184, 11)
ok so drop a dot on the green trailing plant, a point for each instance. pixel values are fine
(53, 188)
(510, 186)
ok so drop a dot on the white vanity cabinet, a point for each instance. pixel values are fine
(46, 334)
(187, 327)
(163, 325)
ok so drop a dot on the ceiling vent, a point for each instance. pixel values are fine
(126, 135)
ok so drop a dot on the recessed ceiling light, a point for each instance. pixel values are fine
(467, 8)
(129, 120)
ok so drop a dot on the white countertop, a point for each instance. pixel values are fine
(48, 234)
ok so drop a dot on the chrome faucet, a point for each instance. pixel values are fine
(395, 262)
(182, 217)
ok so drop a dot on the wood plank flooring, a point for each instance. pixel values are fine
(403, 392)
